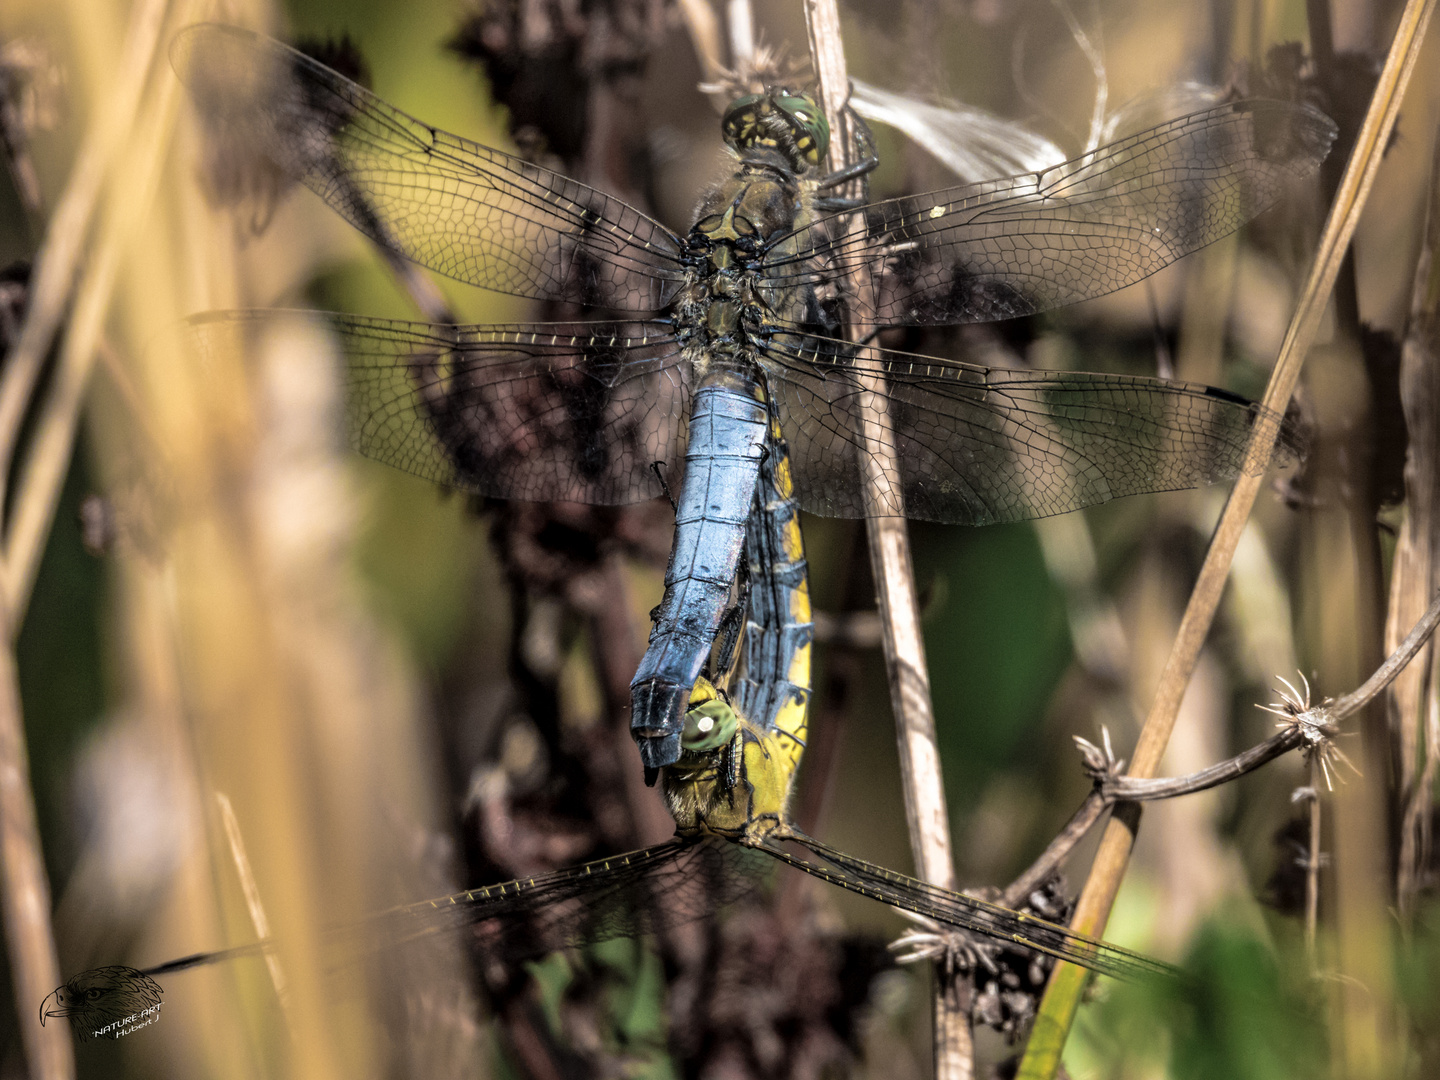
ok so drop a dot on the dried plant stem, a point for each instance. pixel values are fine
(29, 937)
(253, 904)
(1312, 864)
(35, 969)
(43, 473)
(890, 562)
(1148, 789)
(1075, 830)
(1130, 789)
(704, 29)
(1390, 670)
(1432, 767)
(60, 255)
(1062, 997)
(1321, 723)
(1416, 569)
(740, 18)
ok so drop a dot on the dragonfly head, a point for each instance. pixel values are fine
(789, 123)
(710, 722)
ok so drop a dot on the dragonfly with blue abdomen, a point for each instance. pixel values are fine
(728, 791)
(717, 332)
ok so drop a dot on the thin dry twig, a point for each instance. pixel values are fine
(740, 19)
(48, 459)
(1394, 664)
(35, 969)
(60, 256)
(704, 29)
(1301, 726)
(253, 904)
(1312, 864)
(1075, 830)
(29, 936)
(890, 560)
(1416, 569)
(1062, 998)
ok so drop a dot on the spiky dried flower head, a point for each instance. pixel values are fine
(955, 950)
(1315, 725)
(767, 68)
(1099, 763)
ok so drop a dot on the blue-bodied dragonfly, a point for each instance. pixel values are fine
(716, 332)
(729, 793)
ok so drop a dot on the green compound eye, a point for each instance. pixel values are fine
(813, 141)
(709, 726)
(742, 119)
(744, 124)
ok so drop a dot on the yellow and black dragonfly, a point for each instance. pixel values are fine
(710, 340)
(728, 791)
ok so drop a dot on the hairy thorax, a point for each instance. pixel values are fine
(725, 304)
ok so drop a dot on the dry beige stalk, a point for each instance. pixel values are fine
(1415, 574)
(29, 937)
(65, 239)
(35, 969)
(925, 808)
(253, 902)
(129, 196)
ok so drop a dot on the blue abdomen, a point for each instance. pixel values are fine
(722, 463)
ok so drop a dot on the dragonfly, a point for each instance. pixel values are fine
(729, 793)
(709, 335)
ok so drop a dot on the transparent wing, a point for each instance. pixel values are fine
(462, 209)
(980, 445)
(544, 411)
(966, 912)
(658, 888)
(643, 892)
(1105, 220)
(972, 143)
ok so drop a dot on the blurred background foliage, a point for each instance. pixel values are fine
(387, 667)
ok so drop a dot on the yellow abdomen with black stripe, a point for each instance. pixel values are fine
(738, 767)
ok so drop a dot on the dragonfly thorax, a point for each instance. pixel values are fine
(737, 222)
(739, 217)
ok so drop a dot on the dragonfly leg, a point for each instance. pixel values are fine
(734, 621)
(837, 205)
(861, 168)
(658, 468)
(735, 777)
(869, 160)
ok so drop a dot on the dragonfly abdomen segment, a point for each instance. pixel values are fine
(737, 782)
(775, 689)
(722, 461)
